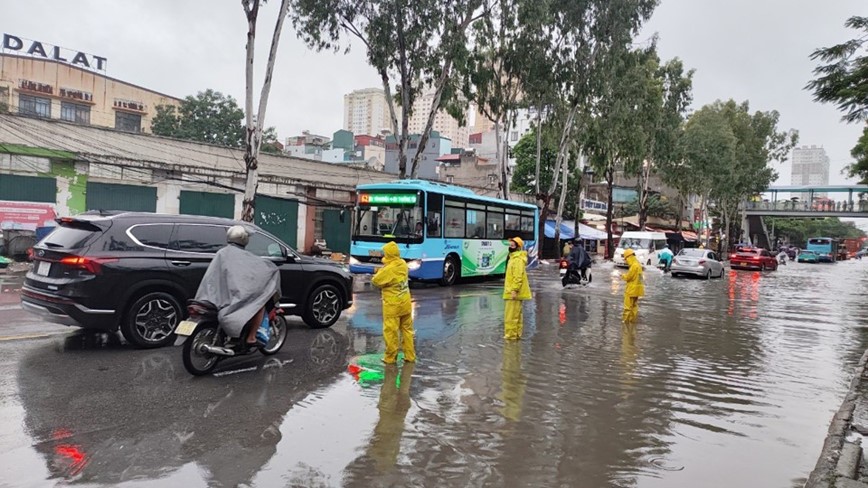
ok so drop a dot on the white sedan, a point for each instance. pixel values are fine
(697, 262)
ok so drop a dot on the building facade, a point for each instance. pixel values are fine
(428, 165)
(468, 168)
(366, 111)
(810, 167)
(446, 125)
(57, 89)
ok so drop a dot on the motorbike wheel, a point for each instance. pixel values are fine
(197, 361)
(277, 338)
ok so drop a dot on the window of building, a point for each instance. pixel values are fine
(128, 122)
(513, 136)
(74, 112)
(35, 106)
(492, 179)
(450, 179)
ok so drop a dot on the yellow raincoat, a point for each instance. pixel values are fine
(515, 282)
(393, 280)
(635, 287)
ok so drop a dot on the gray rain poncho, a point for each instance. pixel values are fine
(239, 283)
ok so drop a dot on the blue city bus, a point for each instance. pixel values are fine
(444, 232)
(825, 247)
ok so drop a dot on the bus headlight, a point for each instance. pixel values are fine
(354, 261)
(414, 264)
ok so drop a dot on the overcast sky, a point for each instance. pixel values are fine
(754, 50)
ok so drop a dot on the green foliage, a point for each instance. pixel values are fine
(860, 154)
(524, 172)
(843, 79)
(209, 117)
(798, 231)
(657, 206)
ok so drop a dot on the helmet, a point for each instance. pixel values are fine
(577, 241)
(238, 235)
(628, 253)
(518, 242)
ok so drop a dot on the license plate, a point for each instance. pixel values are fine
(43, 268)
(185, 328)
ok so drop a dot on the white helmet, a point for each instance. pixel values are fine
(238, 235)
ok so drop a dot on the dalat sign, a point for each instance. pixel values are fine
(37, 49)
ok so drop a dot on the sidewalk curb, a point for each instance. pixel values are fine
(839, 460)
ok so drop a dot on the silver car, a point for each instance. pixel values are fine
(697, 262)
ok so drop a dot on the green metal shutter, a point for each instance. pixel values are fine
(336, 229)
(279, 217)
(17, 188)
(105, 196)
(210, 204)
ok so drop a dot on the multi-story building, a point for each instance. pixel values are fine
(468, 168)
(366, 111)
(428, 164)
(810, 167)
(52, 82)
(444, 123)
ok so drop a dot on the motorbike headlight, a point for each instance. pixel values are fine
(414, 264)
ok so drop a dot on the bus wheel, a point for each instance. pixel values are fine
(450, 271)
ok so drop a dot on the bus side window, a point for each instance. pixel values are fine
(454, 223)
(433, 216)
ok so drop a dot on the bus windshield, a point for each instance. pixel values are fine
(634, 243)
(389, 221)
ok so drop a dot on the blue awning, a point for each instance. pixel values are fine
(585, 232)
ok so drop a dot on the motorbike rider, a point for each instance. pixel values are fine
(240, 285)
(666, 256)
(578, 259)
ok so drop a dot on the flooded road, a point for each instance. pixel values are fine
(728, 382)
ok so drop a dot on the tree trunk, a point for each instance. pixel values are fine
(538, 148)
(577, 213)
(253, 136)
(610, 180)
(498, 153)
(543, 217)
(561, 202)
(504, 166)
(680, 212)
(644, 175)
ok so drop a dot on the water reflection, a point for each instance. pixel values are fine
(110, 415)
(513, 381)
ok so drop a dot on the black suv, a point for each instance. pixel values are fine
(134, 271)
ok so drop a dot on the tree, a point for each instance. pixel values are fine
(843, 79)
(656, 206)
(727, 151)
(416, 45)
(254, 125)
(208, 117)
(524, 177)
(798, 231)
(860, 154)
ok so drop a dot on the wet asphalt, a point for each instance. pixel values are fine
(727, 382)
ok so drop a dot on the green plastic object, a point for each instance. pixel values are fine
(368, 370)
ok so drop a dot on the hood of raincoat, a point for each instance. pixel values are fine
(391, 252)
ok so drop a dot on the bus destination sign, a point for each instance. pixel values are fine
(388, 198)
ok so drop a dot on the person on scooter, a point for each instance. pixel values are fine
(578, 259)
(240, 285)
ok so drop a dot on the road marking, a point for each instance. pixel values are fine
(27, 336)
(9, 307)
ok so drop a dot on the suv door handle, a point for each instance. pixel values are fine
(181, 263)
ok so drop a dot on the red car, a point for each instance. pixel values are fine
(753, 258)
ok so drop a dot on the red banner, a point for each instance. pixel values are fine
(30, 216)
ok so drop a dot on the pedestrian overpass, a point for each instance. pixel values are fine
(808, 202)
(845, 201)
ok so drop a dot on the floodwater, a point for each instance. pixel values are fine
(728, 382)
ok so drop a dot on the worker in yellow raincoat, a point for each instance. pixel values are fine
(635, 286)
(515, 290)
(393, 280)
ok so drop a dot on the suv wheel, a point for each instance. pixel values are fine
(151, 319)
(323, 307)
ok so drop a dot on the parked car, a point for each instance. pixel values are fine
(697, 262)
(135, 272)
(808, 257)
(753, 258)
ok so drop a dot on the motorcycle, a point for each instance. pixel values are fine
(206, 344)
(573, 276)
(782, 259)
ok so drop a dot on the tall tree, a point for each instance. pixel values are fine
(254, 124)
(843, 80)
(415, 45)
(524, 178)
(208, 117)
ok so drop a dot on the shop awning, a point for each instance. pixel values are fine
(566, 231)
(689, 236)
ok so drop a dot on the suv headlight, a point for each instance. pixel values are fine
(414, 264)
